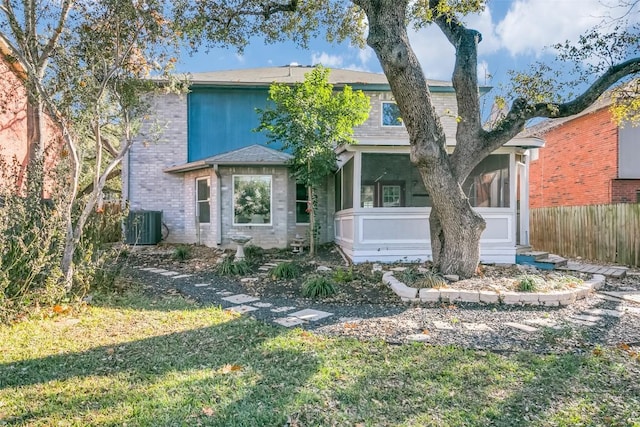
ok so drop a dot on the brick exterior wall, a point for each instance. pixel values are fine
(163, 143)
(625, 191)
(578, 163)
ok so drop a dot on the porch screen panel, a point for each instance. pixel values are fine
(347, 185)
(390, 180)
(488, 184)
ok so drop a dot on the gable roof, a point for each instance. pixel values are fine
(252, 155)
(293, 74)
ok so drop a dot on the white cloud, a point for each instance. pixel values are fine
(483, 23)
(326, 59)
(530, 25)
(365, 55)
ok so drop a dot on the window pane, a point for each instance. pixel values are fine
(252, 199)
(302, 216)
(204, 215)
(203, 189)
(302, 195)
(391, 114)
(367, 196)
(488, 184)
(390, 196)
(338, 190)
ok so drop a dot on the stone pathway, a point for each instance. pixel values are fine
(528, 323)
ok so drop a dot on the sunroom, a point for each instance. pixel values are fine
(382, 206)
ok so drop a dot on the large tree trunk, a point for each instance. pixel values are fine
(455, 226)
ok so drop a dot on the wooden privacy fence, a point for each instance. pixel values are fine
(608, 233)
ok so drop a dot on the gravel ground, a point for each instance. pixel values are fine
(376, 313)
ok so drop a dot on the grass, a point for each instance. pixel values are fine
(144, 361)
(317, 287)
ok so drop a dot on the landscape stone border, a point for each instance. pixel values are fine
(452, 295)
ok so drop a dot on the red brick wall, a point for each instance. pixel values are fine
(625, 191)
(577, 164)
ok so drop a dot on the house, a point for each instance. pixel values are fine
(588, 159)
(16, 123)
(213, 177)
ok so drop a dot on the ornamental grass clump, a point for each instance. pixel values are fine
(318, 287)
(229, 267)
(527, 283)
(285, 270)
(432, 280)
(182, 253)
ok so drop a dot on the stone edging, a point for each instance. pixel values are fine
(553, 298)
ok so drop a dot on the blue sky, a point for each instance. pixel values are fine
(515, 34)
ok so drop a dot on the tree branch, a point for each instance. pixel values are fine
(521, 110)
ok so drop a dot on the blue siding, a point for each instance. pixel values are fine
(222, 120)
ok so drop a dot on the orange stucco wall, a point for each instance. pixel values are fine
(578, 163)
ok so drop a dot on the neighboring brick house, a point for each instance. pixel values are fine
(587, 160)
(16, 123)
(213, 177)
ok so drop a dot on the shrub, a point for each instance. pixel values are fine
(342, 275)
(285, 270)
(410, 275)
(526, 283)
(182, 253)
(229, 267)
(253, 252)
(432, 280)
(318, 287)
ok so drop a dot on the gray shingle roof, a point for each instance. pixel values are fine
(291, 74)
(251, 155)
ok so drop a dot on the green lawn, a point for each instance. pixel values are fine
(167, 362)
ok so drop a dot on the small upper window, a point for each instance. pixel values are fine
(391, 114)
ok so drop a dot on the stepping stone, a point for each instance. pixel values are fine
(146, 268)
(350, 319)
(322, 268)
(249, 279)
(157, 270)
(443, 326)
(542, 322)
(262, 304)
(202, 285)
(481, 327)
(264, 268)
(310, 314)
(224, 293)
(169, 273)
(282, 309)
(604, 312)
(270, 264)
(182, 276)
(399, 269)
(633, 296)
(418, 337)
(520, 326)
(240, 298)
(288, 322)
(586, 317)
(628, 309)
(580, 322)
(242, 309)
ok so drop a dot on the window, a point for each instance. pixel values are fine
(391, 114)
(203, 193)
(252, 199)
(302, 198)
(385, 194)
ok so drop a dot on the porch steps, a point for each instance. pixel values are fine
(541, 260)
